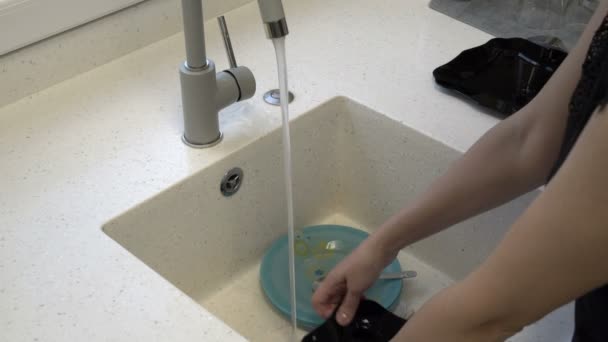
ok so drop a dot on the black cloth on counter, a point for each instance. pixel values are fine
(503, 74)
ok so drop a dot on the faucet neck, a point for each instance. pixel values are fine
(194, 33)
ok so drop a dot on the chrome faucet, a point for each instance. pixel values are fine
(205, 93)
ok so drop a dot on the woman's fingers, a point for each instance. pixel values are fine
(327, 297)
(348, 308)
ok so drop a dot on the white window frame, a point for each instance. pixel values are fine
(23, 22)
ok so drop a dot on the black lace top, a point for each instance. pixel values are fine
(591, 92)
(591, 313)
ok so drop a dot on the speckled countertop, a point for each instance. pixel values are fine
(85, 150)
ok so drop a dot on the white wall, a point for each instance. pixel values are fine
(23, 22)
(41, 65)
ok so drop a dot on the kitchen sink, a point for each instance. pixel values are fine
(352, 166)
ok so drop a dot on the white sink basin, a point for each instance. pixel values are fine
(352, 166)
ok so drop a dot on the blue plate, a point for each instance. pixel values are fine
(318, 249)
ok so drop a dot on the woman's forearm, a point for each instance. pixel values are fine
(450, 316)
(529, 275)
(494, 171)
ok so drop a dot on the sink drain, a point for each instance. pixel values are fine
(231, 183)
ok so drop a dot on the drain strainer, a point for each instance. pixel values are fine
(231, 183)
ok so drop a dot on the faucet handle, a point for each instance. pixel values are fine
(227, 42)
(243, 80)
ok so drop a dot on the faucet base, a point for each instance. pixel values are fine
(200, 146)
(273, 97)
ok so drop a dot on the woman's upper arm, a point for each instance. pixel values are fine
(557, 251)
(544, 119)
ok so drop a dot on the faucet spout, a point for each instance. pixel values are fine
(273, 16)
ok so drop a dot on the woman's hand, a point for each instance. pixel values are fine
(345, 284)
